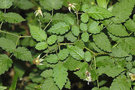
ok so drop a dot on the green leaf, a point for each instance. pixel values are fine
(118, 51)
(80, 44)
(52, 58)
(60, 38)
(83, 67)
(75, 30)
(87, 56)
(5, 63)
(85, 37)
(76, 52)
(13, 17)
(3, 88)
(70, 37)
(71, 64)
(52, 39)
(24, 4)
(84, 17)
(94, 28)
(121, 14)
(47, 73)
(41, 46)
(5, 4)
(63, 54)
(130, 25)
(60, 75)
(59, 28)
(51, 4)
(7, 45)
(68, 84)
(102, 3)
(37, 33)
(19, 70)
(49, 85)
(23, 54)
(117, 30)
(99, 13)
(102, 41)
(121, 83)
(83, 27)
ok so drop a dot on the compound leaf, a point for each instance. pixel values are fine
(52, 39)
(52, 58)
(63, 54)
(41, 46)
(5, 4)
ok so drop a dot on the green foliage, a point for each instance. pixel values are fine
(76, 52)
(41, 46)
(59, 28)
(52, 39)
(99, 13)
(63, 54)
(37, 33)
(60, 75)
(52, 58)
(5, 63)
(49, 85)
(5, 4)
(51, 4)
(7, 44)
(23, 54)
(48, 43)
(102, 41)
(121, 14)
(13, 17)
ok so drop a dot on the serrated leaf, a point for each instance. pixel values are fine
(84, 17)
(60, 75)
(80, 44)
(69, 19)
(13, 17)
(99, 13)
(24, 4)
(87, 56)
(110, 70)
(7, 45)
(118, 51)
(5, 63)
(51, 4)
(23, 54)
(121, 83)
(37, 33)
(85, 37)
(102, 3)
(68, 84)
(94, 28)
(76, 52)
(102, 41)
(63, 54)
(60, 38)
(121, 14)
(5, 4)
(83, 27)
(52, 39)
(117, 30)
(130, 25)
(70, 37)
(75, 30)
(81, 73)
(71, 64)
(47, 73)
(41, 46)
(49, 85)
(52, 58)
(59, 28)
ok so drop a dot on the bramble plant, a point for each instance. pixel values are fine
(44, 44)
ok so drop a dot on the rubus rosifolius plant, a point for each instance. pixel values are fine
(45, 44)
